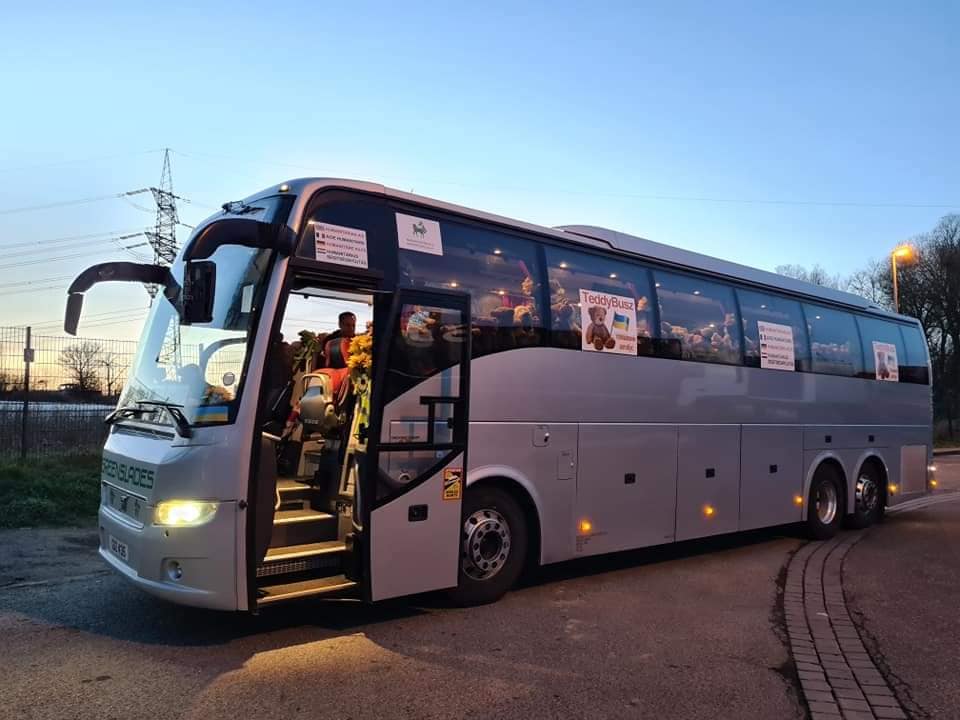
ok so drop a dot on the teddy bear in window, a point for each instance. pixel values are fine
(597, 333)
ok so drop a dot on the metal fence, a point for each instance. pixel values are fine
(55, 391)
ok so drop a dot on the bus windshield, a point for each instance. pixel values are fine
(200, 367)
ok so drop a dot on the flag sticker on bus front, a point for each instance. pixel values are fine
(452, 483)
(418, 234)
(776, 346)
(608, 322)
(340, 245)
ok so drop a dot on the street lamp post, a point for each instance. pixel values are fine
(907, 255)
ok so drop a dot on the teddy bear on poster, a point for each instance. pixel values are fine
(597, 333)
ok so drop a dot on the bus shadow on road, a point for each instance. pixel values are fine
(110, 608)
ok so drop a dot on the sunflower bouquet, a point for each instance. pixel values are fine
(360, 364)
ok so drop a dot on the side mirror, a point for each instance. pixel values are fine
(199, 288)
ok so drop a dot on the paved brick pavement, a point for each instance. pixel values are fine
(838, 677)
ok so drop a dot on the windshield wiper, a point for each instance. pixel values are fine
(176, 414)
(139, 407)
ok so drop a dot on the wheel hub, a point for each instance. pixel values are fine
(486, 544)
(826, 503)
(868, 494)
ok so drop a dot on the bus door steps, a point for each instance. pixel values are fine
(332, 585)
(302, 526)
(295, 494)
(309, 557)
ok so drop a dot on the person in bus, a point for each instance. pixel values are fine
(337, 348)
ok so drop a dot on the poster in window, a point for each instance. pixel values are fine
(418, 234)
(776, 346)
(885, 360)
(340, 245)
(609, 323)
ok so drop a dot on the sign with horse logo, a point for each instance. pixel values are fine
(418, 234)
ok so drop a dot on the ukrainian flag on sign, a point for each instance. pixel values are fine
(621, 322)
(212, 413)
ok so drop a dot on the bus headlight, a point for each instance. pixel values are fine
(184, 513)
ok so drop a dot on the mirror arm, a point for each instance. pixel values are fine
(116, 272)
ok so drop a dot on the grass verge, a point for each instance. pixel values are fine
(59, 490)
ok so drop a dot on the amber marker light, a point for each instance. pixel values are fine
(798, 500)
(585, 527)
(933, 483)
(892, 488)
(709, 511)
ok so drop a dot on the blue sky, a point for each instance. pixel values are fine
(628, 115)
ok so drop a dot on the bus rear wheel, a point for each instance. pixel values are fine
(493, 546)
(825, 506)
(868, 499)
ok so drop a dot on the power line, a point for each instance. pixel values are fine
(79, 160)
(20, 283)
(591, 193)
(69, 238)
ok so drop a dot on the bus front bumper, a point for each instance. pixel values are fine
(188, 566)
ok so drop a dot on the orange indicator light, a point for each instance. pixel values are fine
(585, 527)
(892, 488)
(709, 511)
(933, 483)
(797, 500)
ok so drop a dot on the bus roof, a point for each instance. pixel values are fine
(594, 236)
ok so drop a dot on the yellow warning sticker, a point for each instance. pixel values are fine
(452, 483)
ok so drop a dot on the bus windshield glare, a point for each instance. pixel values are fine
(200, 367)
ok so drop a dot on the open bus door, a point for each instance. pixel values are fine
(413, 473)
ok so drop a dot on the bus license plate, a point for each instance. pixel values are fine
(118, 548)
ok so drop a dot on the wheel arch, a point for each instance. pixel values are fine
(520, 487)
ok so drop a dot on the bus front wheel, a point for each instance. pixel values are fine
(493, 545)
(826, 503)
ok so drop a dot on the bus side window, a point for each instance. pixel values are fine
(834, 341)
(569, 272)
(760, 307)
(914, 369)
(501, 273)
(874, 330)
(701, 315)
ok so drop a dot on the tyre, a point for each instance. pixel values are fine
(493, 546)
(826, 503)
(868, 499)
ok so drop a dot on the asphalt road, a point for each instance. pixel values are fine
(691, 631)
(902, 584)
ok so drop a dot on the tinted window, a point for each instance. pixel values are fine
(757, 308)
(570, 272)
(500, 272)
(701, 315)
(834, 341)
(915, 368)
(877, 335)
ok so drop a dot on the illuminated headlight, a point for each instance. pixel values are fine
(184, 513)
(931, 469)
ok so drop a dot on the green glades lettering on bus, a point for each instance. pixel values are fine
(132, 475)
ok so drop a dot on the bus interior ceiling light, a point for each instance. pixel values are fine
(184, 513)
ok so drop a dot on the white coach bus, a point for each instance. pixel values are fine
(347, 389)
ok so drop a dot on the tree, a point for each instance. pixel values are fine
(816, 275)
(113, 367)
(929, 290)
(873, 283)
(80, 362)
